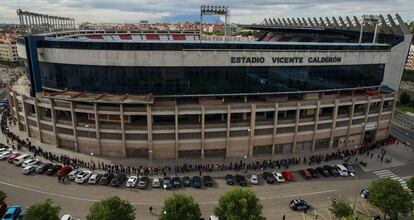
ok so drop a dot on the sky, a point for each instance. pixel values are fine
(242, 11)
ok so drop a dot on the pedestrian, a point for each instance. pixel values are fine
(150, 210)
(284, 217)
(305, 211)
(58, 178)
(372, 154)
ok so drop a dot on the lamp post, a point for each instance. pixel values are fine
(249, 143)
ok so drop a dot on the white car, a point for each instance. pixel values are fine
(29, 169)
(342, 170)
(6, 154)
(4, 149)
(83, 177)
(132, 181)
(254, 179)
(20, 159)
(279, 177)
(30, 162)
(156, 182)
(94, 178)
(72, 175)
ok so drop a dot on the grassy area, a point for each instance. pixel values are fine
(405, 108)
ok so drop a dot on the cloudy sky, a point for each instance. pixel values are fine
(242, 11)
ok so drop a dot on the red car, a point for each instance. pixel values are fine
(288, 175)
(306, 174)
(12, 157)
(64, 171)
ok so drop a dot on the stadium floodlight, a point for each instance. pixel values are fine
(369, 19)
(214, 10)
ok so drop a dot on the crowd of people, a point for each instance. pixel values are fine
(341, 154)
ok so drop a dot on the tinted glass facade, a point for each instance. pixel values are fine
(208, 80)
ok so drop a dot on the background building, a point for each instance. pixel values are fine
(410, 59)
(8, 48)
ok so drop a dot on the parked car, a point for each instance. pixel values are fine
(106, 179)
(18, 161)
(118, 180)
(196, 182)
(332, 170)
(254, 179)
(208, 181)
(342, 170)
(22, 214)
(156, 182)
(94, 179)
(72, 174)
(29, 169)
(278, 177)
(314, 173)
(12, 157)
(288, 175)
(349, 168)
(322, 171)
(3, 208)
(176, 182)
(241, 180)
(132, 182)
(6, 155)
(64, 171)
(83, 177)
(364, 193)
(43, 168)
(53, 169)
(12, 213)
(299, 204)
(30, 162)
(67, 217)
(305, 174)
(143, 182)
(166, 183)
(269, 177)
(230, 179)
(3, 149)
(186, 181)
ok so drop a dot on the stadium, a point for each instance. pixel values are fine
(304, 85)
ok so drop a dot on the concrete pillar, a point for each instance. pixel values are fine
(74, 125)
(16, 109)
(333, 127)
(366, 118)
(252, 127)
(149, 132)
(124, 151)
(228, 129)
(37, 110)
(379, 115)
(21, 19)
(296, 127)
(26, 120)
(392, 114)
(203, 122)
(176, 128)
(97, 128)
(54, 121)
(244, 115)
(351, 115)
(315, 128)
(275, 118)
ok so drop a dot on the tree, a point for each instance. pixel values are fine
(340, 208)
(111, 208)
(390, 197)
(239, 204)
(410, 184)
(179, 207)
(43, 211)
(405, 98)
(3, 196)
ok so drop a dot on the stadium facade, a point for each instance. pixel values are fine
(304, 85)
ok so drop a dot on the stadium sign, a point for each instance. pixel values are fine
(253, 60)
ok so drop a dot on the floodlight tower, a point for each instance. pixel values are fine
(214, 10)
(369, 19)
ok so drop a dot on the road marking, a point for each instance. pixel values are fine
(382, 171)
(155, 203)
(389, 174)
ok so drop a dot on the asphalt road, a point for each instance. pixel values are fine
(404, 134)
(75, 199)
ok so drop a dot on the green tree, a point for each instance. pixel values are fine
(390, 197)
(180, 207)
(3, 196)
(340, 208)
(111, 208)
(405, 98)
(239, 204)
(43, 211)
(410, 184)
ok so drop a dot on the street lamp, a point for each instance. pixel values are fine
(91, 156)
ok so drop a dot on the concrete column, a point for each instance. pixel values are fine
(392, 113)
(54, 121)
(315, 128)
(149, 132)
(74, 125)
(379, 115)
(252, 127)
(296, 128)
(333, 127)
(351, 115)
(275, 118)
(244, 115)
(203, 122)
(124, 151)
(176, 128)
(38, 119)
(97, 128)
(228, 129)
(26, 120)
(14, 110)
(21, 19)
(366, 118)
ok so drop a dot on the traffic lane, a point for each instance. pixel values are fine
(402, 133)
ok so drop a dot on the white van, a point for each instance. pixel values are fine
(342, 170)
(20, 159)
